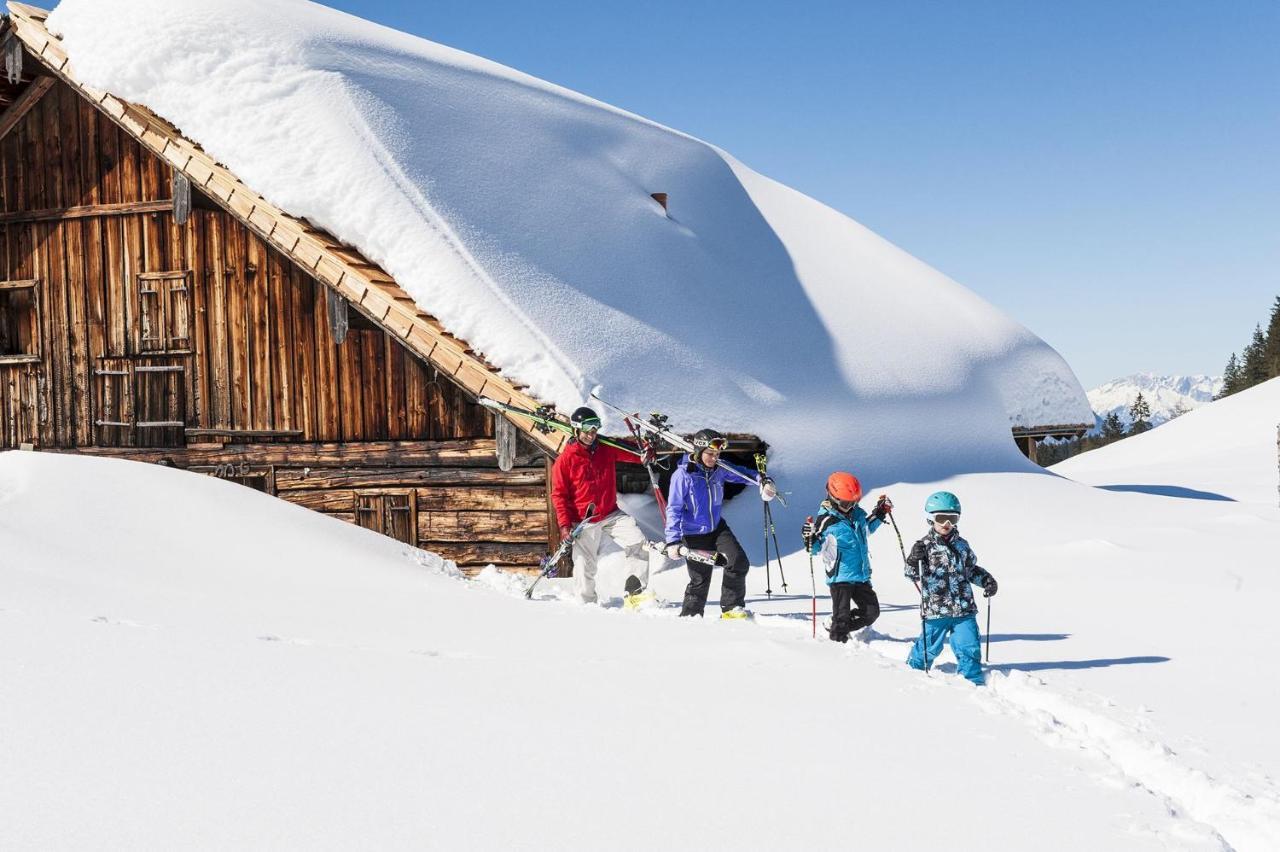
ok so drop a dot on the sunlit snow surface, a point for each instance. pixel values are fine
(190, 664)
(520, 214)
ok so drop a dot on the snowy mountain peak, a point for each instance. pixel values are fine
(1168, 396)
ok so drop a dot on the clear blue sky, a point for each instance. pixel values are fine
(1106, 172)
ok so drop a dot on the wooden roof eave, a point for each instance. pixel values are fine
(361, 282)
(1068, 430)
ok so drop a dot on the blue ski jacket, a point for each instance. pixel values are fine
(696, 497)
(945, 566)
(842, 543)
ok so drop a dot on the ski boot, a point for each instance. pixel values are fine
(635, 596)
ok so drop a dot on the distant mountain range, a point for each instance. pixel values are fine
(1167, 395)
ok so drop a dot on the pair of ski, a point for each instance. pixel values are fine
(551, 561)
(545, 420)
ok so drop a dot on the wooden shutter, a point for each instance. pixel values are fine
(113, 403)
(160, 393)
(139, 405)
(164, 312)
(393, 514)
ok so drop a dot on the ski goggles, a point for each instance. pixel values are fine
(592, 425)
(717, 445)
(946, 518)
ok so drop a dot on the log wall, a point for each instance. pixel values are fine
(201, 345)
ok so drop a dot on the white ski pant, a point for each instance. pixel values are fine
(624, 531)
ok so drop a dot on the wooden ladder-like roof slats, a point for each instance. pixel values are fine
(335, 264)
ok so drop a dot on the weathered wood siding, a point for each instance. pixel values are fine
(205, 325)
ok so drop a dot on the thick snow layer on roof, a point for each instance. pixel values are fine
(519, 213)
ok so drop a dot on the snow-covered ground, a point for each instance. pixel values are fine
(204, 666)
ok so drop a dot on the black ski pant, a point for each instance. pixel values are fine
(844, 622)
(733, 588)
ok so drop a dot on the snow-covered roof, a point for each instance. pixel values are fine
(520, 214)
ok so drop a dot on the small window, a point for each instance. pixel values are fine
(19, 322)
(164, 312)
(392, 514)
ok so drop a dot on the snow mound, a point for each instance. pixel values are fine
(520, 214)
(1223, 450)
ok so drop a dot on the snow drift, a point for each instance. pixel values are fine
(520, 214)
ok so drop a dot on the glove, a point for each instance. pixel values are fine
(809, 533)
(883, 509)
(673, 550)
(989, 587)
(767, 489)
(565, 532)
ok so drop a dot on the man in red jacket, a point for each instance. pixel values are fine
(585, 474)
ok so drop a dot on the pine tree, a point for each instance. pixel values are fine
(1254, 370)
(1139, 415)
(1112, 427)
(1230, 378)
(1271, 348)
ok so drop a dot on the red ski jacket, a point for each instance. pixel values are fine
(583, 476)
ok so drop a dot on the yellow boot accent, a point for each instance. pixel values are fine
(637, 600)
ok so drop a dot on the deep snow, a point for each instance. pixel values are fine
(190, 663)
(226, 670)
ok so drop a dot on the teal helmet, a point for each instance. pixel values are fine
(942, 501)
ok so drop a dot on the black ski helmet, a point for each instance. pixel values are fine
(584, 418)
(705, 438)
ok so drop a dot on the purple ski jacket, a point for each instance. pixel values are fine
(697, 496)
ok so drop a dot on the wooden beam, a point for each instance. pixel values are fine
(477, 452)
(30, 96)
(57, 214)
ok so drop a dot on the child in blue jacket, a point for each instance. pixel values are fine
(840, 536)
(694, 519)
(943, 566)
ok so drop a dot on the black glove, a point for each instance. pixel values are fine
(989, 586)
(809, 533)
(884, 508)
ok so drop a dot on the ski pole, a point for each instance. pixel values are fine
(924, 633)
(988, 630)
(768, 574)
(777, 551)
(813, 584)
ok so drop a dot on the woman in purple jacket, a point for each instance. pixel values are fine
(694, 519)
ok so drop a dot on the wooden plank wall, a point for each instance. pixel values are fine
(83, 210)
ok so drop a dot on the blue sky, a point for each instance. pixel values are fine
(1106, 172)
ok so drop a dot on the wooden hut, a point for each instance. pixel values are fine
(154, 307)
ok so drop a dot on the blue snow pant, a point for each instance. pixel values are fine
(965, 644)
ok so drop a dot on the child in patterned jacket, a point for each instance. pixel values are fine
(942, 565)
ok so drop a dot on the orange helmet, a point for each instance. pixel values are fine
(844, 487)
